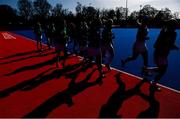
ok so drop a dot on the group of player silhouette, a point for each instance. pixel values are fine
(93, 40)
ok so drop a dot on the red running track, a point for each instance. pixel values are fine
(32, 86)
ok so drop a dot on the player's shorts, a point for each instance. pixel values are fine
(160, 60)
(108, 54)
(139, 47)
(93, 51)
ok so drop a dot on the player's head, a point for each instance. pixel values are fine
(143, 21)
(109, 23)
(96, 23)
(171, 24)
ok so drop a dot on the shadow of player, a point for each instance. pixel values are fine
(153, 110)
(62, 97)
(19, 54)
(28, 57)
(114, 103)
(39, 79)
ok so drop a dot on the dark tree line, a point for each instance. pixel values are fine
(8, 15)
(30, 11)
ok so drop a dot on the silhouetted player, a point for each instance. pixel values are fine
(94, 49)
(72, 33)
(163, 45)
(83, 36)
(49, 31)
(60, 40)
(139, 47)
(107, 43)
(38, 32)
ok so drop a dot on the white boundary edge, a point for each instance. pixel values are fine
(111, 67)
(141, 79)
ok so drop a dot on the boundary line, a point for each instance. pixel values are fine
(141, 79)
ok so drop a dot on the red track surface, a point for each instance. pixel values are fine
(31, 86)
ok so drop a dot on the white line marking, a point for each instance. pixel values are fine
(7, 36)
(142, 78)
